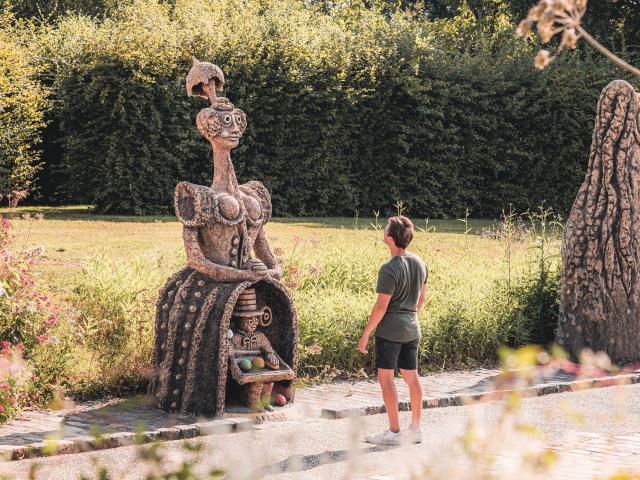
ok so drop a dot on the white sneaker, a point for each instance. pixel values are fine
(411, 435)
(385, 438)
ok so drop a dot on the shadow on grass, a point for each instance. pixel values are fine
(84, 213)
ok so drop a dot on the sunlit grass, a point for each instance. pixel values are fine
(106, 273)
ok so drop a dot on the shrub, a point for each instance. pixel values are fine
(349, 108)
(28, 329)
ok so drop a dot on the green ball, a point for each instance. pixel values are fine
(245, 364)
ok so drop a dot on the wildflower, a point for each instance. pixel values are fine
(20, 346)
(524, 28)
(39, 216)
(569, 38)
(5, 344)
(5, 386)
(543, 58)
(42, 338)
(26, 216)
(5, 351)
(1, 409)
(52, 320)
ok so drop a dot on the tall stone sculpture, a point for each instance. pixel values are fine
(599, 301)
(207, 303)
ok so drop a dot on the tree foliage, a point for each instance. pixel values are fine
(351, 106)
(23, 101)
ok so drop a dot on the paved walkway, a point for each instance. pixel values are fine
(334, 400)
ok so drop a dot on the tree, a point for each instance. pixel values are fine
(23, 101)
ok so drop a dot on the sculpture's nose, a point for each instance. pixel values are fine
(235, 128)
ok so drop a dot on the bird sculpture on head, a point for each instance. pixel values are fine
(204, 80)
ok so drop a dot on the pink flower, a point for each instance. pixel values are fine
(1, 409)
(42, 338)
(5, 344)
(5, 351)
(33, 377)
(51, 321)
(20, 346)
(5, 386)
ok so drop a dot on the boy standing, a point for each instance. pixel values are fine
(401, 289)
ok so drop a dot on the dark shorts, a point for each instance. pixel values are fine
(392, 355)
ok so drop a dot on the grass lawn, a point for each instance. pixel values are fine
(107, 271)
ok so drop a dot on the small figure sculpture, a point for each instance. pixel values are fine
(222, 230)
(252, 361)
(600, 291)
(246, 336)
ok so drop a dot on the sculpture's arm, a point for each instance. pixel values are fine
(268, 350)
(263, 252)
(218, 273)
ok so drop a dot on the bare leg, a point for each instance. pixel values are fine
(390, 397)
(415, 395)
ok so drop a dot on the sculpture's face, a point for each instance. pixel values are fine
(249, 324)
(223, 128)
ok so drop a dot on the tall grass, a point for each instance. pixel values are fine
(485, 291)
(115, 307)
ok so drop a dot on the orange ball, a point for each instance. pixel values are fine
(279, 400)
(257, 362)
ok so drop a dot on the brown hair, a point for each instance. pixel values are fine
(400, 228)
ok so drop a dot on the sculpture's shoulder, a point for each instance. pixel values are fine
(258, 191)
(262, 339)
(194, 204)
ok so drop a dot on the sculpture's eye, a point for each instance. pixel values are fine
(226, 120)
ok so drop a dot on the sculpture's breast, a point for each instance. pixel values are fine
(257, 203)
(252, 206)
(228, 206)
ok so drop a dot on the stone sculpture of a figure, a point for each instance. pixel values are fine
(222, 230)
(600, 296)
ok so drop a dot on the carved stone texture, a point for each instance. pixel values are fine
(222, 231)
(600, 253)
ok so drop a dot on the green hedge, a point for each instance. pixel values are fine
(350, 109)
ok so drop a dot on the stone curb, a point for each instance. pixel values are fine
(125, 439)
(465, 399)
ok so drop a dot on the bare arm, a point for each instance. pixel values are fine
(218, 273)
(263, 252)
(378, 311)
(423, 294)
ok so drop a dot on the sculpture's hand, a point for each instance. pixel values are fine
(256, 275)
(275, 273)
(273, 359)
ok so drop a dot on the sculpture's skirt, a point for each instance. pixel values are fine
(191, 351)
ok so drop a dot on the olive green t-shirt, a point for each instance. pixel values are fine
(401, 277)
